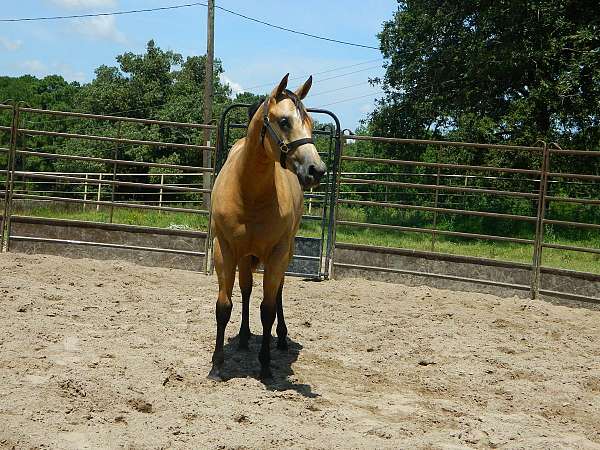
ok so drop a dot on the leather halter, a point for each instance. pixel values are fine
(284, 147)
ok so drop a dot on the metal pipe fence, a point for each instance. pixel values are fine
(407, 197)
(166, 123)
(64, 187)
(81, 185)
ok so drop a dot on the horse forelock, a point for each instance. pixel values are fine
(297, 103)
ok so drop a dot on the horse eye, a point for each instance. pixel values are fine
(284, 122)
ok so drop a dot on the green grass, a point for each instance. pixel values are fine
(505, 251)
(126, 216)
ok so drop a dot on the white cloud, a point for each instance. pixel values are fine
(9, 45)
(68, 73)
(236, 88)
(101, 28)
(34, 67)
(39, 69)
(85, 4)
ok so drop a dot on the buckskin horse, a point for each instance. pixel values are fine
(257, 204)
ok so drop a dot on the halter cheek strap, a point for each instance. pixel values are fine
(284, 147)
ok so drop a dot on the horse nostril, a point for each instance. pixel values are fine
(316, 172)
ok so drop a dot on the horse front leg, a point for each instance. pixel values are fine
(281, 327)
(245, 281)
(272, 282)
(225, 265)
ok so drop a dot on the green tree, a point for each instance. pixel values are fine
(155, 84)
(509, 70)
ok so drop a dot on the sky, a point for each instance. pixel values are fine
(254, 56)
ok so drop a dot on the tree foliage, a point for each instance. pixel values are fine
(157, 84)
(510, 70)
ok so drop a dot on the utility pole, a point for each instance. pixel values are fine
(208, 96)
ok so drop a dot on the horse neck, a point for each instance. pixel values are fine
(258, 169)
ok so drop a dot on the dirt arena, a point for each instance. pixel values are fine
(100, 354)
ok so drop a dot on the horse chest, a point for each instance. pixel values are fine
(254, 221)
(255, 230)
(269, 221)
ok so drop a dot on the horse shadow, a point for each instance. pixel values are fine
(244, 363)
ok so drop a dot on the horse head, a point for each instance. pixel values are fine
(287, 133)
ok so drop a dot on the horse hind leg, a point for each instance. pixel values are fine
(272, 282)
(225, 266)
(281, 327)
(245, 267)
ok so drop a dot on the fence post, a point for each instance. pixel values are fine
(206, 175)
(335, 195)
(539, 225)
(435, 202)
(99, 191)
(466, 186)
(114, 178)
(388, 177)
(87, 176)
(85, 188)
(10, 178)
(208, 242)
(160, 194)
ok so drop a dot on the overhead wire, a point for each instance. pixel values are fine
(271, 83)
(114, 13)
(193, 4)
(337, 41)
(353, 98)
(321, 106)
(185, 5)
(316, 94)
(117, 113)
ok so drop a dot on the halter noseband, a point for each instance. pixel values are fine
(285, 148)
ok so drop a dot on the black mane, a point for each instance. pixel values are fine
(254, 107)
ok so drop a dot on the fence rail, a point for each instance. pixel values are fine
(165, 123)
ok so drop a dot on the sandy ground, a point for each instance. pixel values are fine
(111, 355)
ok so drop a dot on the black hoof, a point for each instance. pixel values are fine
(282, 344)
(265, 373)
(215, 374)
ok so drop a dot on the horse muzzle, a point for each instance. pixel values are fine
(311, 176)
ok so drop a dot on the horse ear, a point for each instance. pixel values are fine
(282, 85)
(302, 91)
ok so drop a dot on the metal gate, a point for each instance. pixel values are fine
(7, 133)
(314, 243)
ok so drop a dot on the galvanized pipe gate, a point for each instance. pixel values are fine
(314, 248)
